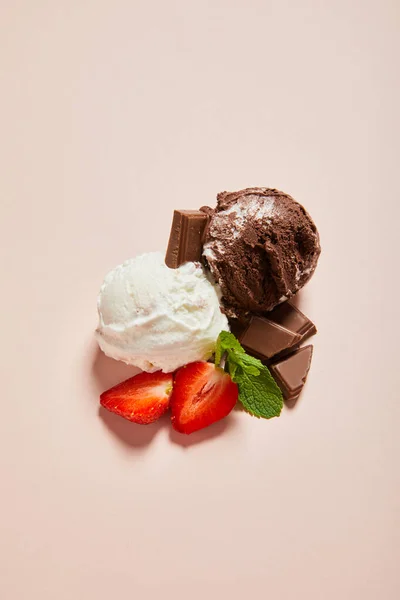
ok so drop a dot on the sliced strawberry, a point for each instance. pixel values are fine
(141, 399)
(203, 394)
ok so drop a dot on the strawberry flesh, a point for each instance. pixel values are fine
(141, 399)
(202, 395)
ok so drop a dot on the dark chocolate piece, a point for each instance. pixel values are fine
(290, 373)
(186, 237)
(264, 338)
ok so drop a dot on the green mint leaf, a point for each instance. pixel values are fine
(251, 365)
(259, 394)
(226, 342)
(232, 367)
(258, 391)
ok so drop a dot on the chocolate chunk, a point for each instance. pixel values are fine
(186, 237)
(264, 338)
(290, 373)
(270, 337)
(238, 327)
(289, 316)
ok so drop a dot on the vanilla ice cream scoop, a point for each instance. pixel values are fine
(158, 318)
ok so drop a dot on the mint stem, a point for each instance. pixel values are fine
(223, 360)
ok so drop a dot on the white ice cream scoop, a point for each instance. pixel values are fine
(158, 318)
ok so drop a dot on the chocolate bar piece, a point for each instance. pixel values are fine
(290, 373)
(289, 316)
(277, 332)
(264, 338)
(186, 237)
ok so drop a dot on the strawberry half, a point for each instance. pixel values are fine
(141, 399)
(202, 395)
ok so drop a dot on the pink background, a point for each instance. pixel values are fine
(112, 114)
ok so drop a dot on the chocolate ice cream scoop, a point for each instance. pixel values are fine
(261, 246)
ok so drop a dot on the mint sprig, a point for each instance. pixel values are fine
(258, 391)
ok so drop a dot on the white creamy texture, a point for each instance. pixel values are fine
(158, 318)
(245, 209)
(300, 273)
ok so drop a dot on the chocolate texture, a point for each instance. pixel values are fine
(261, 247)
(264, 338)
(278, 331)
(290, 373)
(289, 316)
(186, 237)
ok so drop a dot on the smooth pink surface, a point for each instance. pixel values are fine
(112, 114)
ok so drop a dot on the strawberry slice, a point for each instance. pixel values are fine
(202, 395)
(141, 399)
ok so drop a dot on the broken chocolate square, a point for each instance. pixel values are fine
(290, 373)
(186, 237)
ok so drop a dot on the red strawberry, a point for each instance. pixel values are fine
(203, 394)
(141, 399)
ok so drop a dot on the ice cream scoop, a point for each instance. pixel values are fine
(261, 247)
(158, 318)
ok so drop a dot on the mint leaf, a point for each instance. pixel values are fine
(258, 391)
(232, 366)
(251, 365)
(259, 394)
(226, 341)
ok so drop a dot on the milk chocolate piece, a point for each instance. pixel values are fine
(290, 373)
(186, 237)
(264, 338)
(289, 316)
(285, 315)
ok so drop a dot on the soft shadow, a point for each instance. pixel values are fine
(203, 435)
(108, 372)
(291, 404)
(131, 434)
(298, 300)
